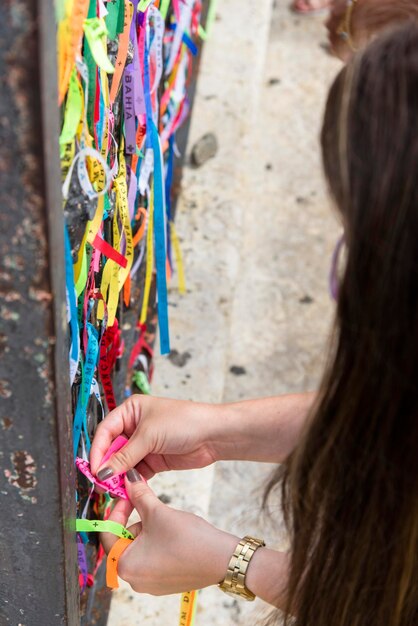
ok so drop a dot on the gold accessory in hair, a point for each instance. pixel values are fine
(234, 582)
(344, 29)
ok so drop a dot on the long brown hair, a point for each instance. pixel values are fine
(350, 489)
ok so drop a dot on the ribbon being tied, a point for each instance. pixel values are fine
(114, 485)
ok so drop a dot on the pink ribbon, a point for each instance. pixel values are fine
(114, 485)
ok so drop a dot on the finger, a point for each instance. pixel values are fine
(123, 419)
(135, 529)
(129, 456)
(141, 495)
(145, 470)
(121, 511)
(120, 514)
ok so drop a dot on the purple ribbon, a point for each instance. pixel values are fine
(129, 111)
(133, 187)
(82, 561)
(139, 96)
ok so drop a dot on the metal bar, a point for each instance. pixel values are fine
(38, 565)
(39, 579)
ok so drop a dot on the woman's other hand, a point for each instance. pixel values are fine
(339, 45)
(173, 551)
(169, 434)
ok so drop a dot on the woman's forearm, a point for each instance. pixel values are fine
(265, 429)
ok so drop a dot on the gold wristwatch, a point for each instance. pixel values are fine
(234, 582)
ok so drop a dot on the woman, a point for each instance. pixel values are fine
(350, 484)
(353, 23)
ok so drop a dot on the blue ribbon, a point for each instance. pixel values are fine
(153, 141)
(69, 280)
(190, 44)
(168, 184)
(100, 122)
(80, 418)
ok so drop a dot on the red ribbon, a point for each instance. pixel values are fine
(109, 252)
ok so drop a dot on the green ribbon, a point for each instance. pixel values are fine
(73, 111)
(96, 32)
(143, 5)
(102, 526)
(121, 17)
(59, 9)
(91, 68)
(112, 19)
(164, 8)
(210, 19)
(141, 381)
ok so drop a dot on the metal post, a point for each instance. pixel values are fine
(38, 557)
(38, 566)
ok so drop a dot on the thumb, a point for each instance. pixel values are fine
(141, 495)
(128, 456)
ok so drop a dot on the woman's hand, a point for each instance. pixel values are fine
(163, 435)
(173, 551)
(368, 18)
(169, 434)
(339, 46)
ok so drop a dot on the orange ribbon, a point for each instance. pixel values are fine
(113, 557)
(122, 52)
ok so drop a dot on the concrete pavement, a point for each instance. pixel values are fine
(257, 234)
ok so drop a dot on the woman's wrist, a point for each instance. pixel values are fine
(227, 439)
(267, 576)
(218, 556)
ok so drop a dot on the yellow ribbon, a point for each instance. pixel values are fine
(179, 259)
(188, 608)
(93, 225)
(73, 111)
(149, 258)
(105, 94)
(70, 35)
(67, 156)
(80, 268)
(114, 276)
(92, 228)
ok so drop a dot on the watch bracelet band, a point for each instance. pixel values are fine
(234, 581)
